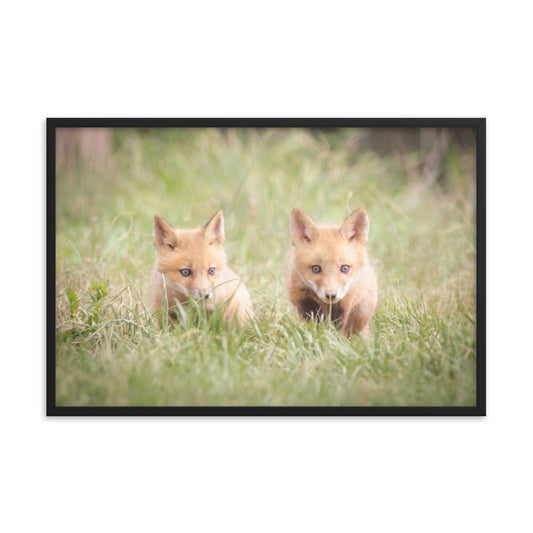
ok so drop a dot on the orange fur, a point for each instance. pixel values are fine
(191, 263)
(317, 283)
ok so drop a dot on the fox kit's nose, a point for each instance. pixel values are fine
(199, 293)
(331, 295)
(195, 293)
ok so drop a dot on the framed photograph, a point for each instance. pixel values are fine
(266, 266)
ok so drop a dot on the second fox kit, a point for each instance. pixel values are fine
(329, 271)
(191, 263)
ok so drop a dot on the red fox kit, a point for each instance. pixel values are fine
(329, 270)
(191, 263)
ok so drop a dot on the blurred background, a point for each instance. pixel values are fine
(418, 185)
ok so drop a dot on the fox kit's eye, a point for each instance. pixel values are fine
(316, 269)
(211, 271)
(185, 272)
(345, 269)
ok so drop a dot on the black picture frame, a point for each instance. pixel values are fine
(478, 124)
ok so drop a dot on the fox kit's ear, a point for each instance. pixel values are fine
(356, 226)
(164, 234)
(214, 229)
(302, 226)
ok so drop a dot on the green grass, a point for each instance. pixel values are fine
(110, 350)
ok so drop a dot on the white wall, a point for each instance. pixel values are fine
(377, 59)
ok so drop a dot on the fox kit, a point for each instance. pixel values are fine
(191, 263)
(329, 271)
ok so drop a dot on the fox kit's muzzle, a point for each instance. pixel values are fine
(199, 294)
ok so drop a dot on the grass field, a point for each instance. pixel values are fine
(109, 350)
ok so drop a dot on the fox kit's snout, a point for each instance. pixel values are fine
(330, 273)
(191, 263)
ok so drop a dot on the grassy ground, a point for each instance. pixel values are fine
(422, 241)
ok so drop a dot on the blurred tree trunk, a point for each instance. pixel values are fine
(88, 148)
(434, 143)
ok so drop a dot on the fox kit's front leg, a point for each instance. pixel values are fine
(306, 305)
(329, 272)
(362, 311)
